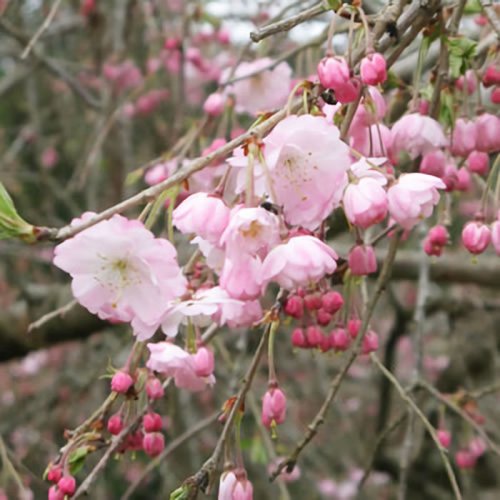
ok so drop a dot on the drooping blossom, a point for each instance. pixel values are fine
(307, 162)
(234, 485)
(464, 138)
(373, 69)
(214, 104)
(362, 260)
(495, 235)
(334, 73)
(241, 276)
(467, 83)
(266, 90)
(374, 140)
(433, 163)
(173, 361)
(371, 110)
(416, 134)
(202, 214)
(478, 162)
(300, 261)
(476, 236)
(488, 133)
(122, 272)
(123, 76)
(491, 76)
(153, 443)
(413, 198)
(273, 407)
(436, 240)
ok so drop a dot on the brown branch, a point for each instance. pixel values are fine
(491, 14)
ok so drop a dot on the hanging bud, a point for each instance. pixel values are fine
(340, 339)
(370, 342)
(323, 317)
(478, 162)
(115, 424)
(67, 484)
(204, 362)
(373, 69)
(299, 338)
(444, 437)
(362, 260)
(294, 306)
(353, 326)
(152, 422)
(314, 336)
(273, 407)
(154, 388)
(332, 302)
(476, 236)
(153, 443)
(121, 382)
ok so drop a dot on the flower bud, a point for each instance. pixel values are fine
(340, 339)
(204, 362)
(495, 236)
(465, 459)
(476, 236)
(353, 326)
(373, 69)
(444, 437)
(478, 162)
(370, 342)
(214, 105)
(332, 302)
(54, 473)
(433, 163)
(115, 424)
(495, 95)
(153, 443)
(312, 301)
(67, 484)
(436, 240)
(273, 407)
(154, 388)
(294, 306)
(152, 422)
(488, 133)
(467, 82)
(464, 137)
(463, 180)
(314, 336)
(491, 76)
(362, 260)
(121, 382)
(299, 338)
(323, 317)
(55, 493)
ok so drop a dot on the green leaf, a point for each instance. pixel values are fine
(334, 4)
(11, 224)
(446, 109)
(77, 459)
(461, 52)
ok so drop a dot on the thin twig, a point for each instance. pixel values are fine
(60, 311)
(490, 13)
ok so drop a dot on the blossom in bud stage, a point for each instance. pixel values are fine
(54, 473)
(464, 182)
(417, 135)
(204, 362)
(299, 338)
(307, 164)
(478, 162)
(153, 443)
(152, 422)
(266, 90)
(348, 92)
(314, 336)
(465, 459)
(273, 407)
(243, 490)
(433, 163)
(234, 485)
(121, 382)
(332, 302)
(370, 342)
(353, 326)
(115, 424)
(340, 339)
(362, 260)
(477, 446)
(323, 317)
(214, 105)
(312, 301)
(444, 437)
(373, 69)
(464, 137)
(495, 95)
(476, 236)
(154, 388)
(203, 214)
(49, 158)
(413, 198)
(122, 272)
(294, 306)
(495, 236)
(122, 76)
(300, 261)
(67, 484)
(467, 82)
(488, 133)
(173, 361)
(491, 76)
(55, 493)
(334, 73)
(436, 240)
(227, 483)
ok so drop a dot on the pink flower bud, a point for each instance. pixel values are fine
(299, 338)
(223, 37)
(488, 133)
(373, 69)
(115, 424)
(214, 105)
(433, 163)
(153, 443)
(478, 162)
(444, 437)
(49, 158)
(273, 407)
(203, 362)
(477, 446)
(133, 441)
(465, 459)
(495, 236)
(436, 239)
(491, 76)
(332, 302)
(325, 344)
(314, 336)
(172, 43)
(67, 484)
(362, 260)
(495, 95)
(312, 301)
(340, 339)
(467, 82)
(476, 236)
(333, 72)
(121, 382)
(54, 473)
(152, 422)
(370, 342)
(463, 180)
(243, 490)
(154, 388)
(323, 317)
(464, 137)
(294, 306)
(353, 327)
(55, 493)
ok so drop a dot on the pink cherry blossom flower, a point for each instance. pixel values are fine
(227, 484)
(241, 277)
(413, 198)
(214, 105)
(307, 162)
(464, 137)
(416, 134)
(299, 262)
(476, 236)
(153, 443)
(372, 108)
(433, 163)
(444, 437)
(488, 133)
(234, 485)
(160, 172)
(362, 260)
(49, 158)
(373, 69)
(365, 202)
(122, 272)
(265, 90)
(478, 162)
(202, 214)
(273, 407)
(334, 73)
(173, 361)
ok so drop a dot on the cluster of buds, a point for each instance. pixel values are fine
(64, 485)
(314, 307)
